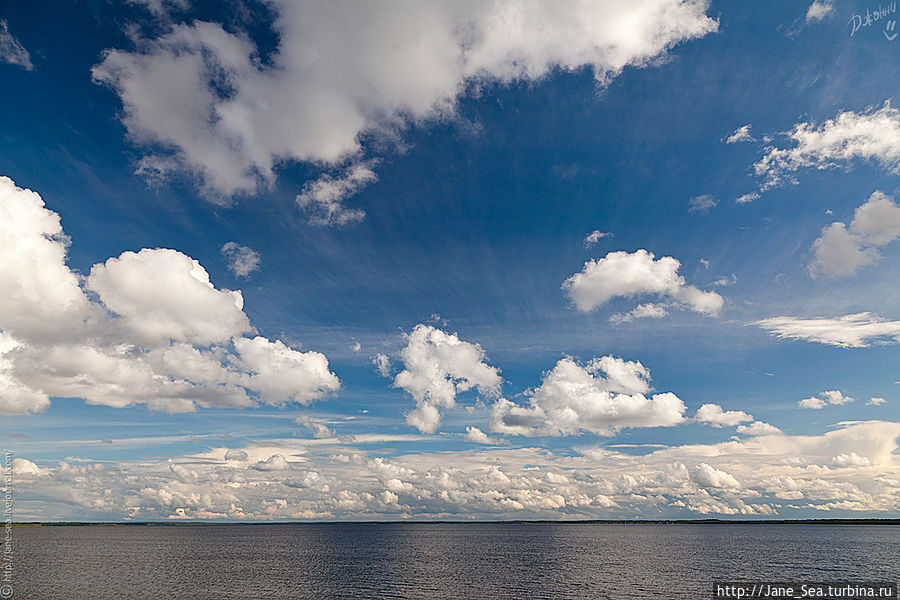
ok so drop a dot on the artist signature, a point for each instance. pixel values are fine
(885, 12)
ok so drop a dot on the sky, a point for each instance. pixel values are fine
(449, 260)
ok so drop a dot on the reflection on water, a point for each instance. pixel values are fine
(439, 561)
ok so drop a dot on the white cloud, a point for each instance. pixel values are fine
(602, 396)
(594, 237)
(850, 468)
(819, 10)
(241, 260)
(162, 294)
(702, 203)
(757, 428)
(715, 416)
(841, 250)
(875, 401)
(316, 427)
(323, 199)
(641, 311)
(477, 436)
(344, 70)
(631, 274)
(747, 198)
(725, 281)
(281, 374)
(146, 327)
(11, 50)
(869, 135)
(162, 8)
(382, 364)
(812, 402)
(850, 331)
(741, 134)
(438, 366)
(834, 397)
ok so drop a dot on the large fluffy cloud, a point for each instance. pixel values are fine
(602, 396)
(640, 273)
(437, 366)
(145, 327)
(872, 134)
(203, 99)
(841, 250)
(849, 470)
(850, 331)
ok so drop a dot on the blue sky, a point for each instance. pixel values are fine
(416, 186)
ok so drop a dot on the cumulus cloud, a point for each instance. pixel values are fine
(702, 203)
(477, 436)
(741, 134)
(757, 428)
(316, 426)
(382, 364)
(875, 401)
(841, 250)
(833, 397)
(850, 331)
(641, 311)
(602, 397)
(438, 366)
(205, 97)
(241, 260)
(849, 469)
(323, 199)
(747, 198)
(717, 417)
(819, 10)
(594, 237)
(873, 134)
(623, 274)
(11, 50)
(145, 327)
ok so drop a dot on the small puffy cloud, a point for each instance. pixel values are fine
(355, 346)
(850, 331)
(162, 294)
(741, 134)
(851, 459)
(281, 374)
(641, 311)
(834, 397)
(747, 198)
(382, 364)
(842, 250)
(710, 477)
(872, 135)
(276, 462)
(715, 416)
(477, 436)
(147, 327)
(875, 401)
(316, 427)
(725, 281)
(702, 203)
(323, 199)
(11, 50)
(624, 274)
(438, 366)
(162, 8)
(23, 466)
(241, 260)
(758, 428)
(819, 10)
(602, 396)
(594, 237)
(202, 95)
(812, 402)
(235, 454)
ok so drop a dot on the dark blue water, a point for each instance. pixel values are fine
(595, 561)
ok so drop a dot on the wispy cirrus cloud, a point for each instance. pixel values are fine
(858, 330)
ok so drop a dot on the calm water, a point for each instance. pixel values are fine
(595, 561)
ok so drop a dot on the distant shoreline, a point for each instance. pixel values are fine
(433, 522)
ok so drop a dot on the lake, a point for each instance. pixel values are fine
(441, 561)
